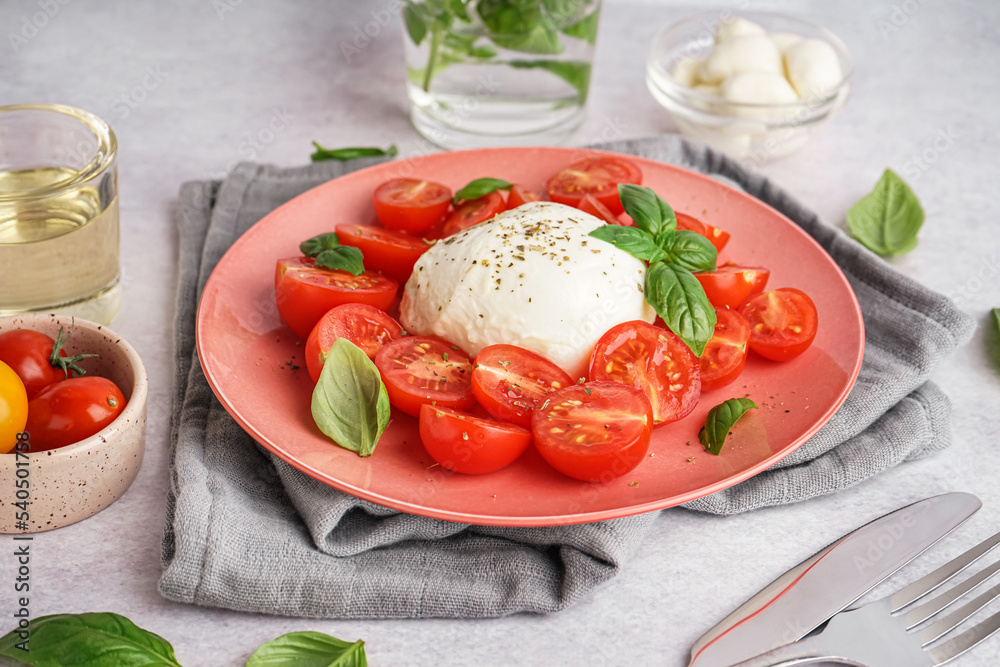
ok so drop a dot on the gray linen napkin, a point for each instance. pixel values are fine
(246, 531)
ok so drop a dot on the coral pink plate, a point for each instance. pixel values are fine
(245, 351)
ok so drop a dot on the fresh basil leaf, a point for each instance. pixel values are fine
(416, 28)
(650, 213)
(480, 188)
(309, 649)
(886, 221)
(483, 51)
(720, 419)
(459, 42)
(586, 29)
(342, 154)
(541, 40)
(510, 17)
(576, 74)
(342, 258)
(634, 241)
(679, 299)
(460, 9)
(692, 251)
(562, 11)
(317, 244)
(96, 639)
(350, 403)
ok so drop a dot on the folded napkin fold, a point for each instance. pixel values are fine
(246, 531)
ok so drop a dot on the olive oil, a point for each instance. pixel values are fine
(59, 250)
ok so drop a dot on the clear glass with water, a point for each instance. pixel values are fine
(498, 72)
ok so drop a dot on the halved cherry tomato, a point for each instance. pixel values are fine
(422, 369)
(411, 205)
(29, 353)
(468, 444)
(730, 284)
(13, 407)
(597, 176)
(388, 252)
(783, 323)
(511, 382)
(594, 431)
(520, 195)
(718, 237)
(654, 361)
(306, 292)
(590, 204)
(366, 326)
(725, 354)
(472, 212)
(71, 410)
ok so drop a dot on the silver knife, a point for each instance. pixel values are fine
(802, 599)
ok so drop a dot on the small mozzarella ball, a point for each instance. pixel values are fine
(686, 71)
(707, 88)
(741, 54)
(785, 40)
(758, 88)
(737, 28)
(812, 67)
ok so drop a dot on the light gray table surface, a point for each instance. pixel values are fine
(188, 84)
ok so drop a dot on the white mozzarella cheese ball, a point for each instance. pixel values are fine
(812, 67)
(737, 27)
(686, 71)
(785, 40)
(741, 54)
(758, 88)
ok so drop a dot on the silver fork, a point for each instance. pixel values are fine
(880, 634)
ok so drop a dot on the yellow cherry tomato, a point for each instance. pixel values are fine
(13, 407)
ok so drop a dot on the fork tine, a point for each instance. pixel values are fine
(921, 587)
(953, 648)
(935, 630)
(918, 615)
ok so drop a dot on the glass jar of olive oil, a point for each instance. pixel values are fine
(59, 239)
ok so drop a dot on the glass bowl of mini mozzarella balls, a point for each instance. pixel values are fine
(756, 85)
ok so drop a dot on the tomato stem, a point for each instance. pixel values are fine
(66, 364)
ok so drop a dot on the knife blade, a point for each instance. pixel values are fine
(802, 599)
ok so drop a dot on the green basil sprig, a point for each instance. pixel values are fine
(342, 154)
(480, 188)
(350, 403)
(97, 639)
(996, 316)
(670, 286)
(720, 419)
(886, 220)
(106, 639)
(328, 252)
(309, 649)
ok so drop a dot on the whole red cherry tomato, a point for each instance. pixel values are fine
(38, 359)
(71, 410)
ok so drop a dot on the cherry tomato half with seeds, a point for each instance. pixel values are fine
(596, 176)
(472, 212)
(718, 237)
(390, 253)
(730, 284)
(590, 204)
(464, 443)
(725, 354)
(783, 323)
(411, 205)
(366, 326)
(595, 431)
(13, 407)
(652, 360)
(72, 410)
(421, 369)
(511, 382)
(305, 292)
(520, 195)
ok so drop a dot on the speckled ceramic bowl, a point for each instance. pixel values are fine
(72, 483)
